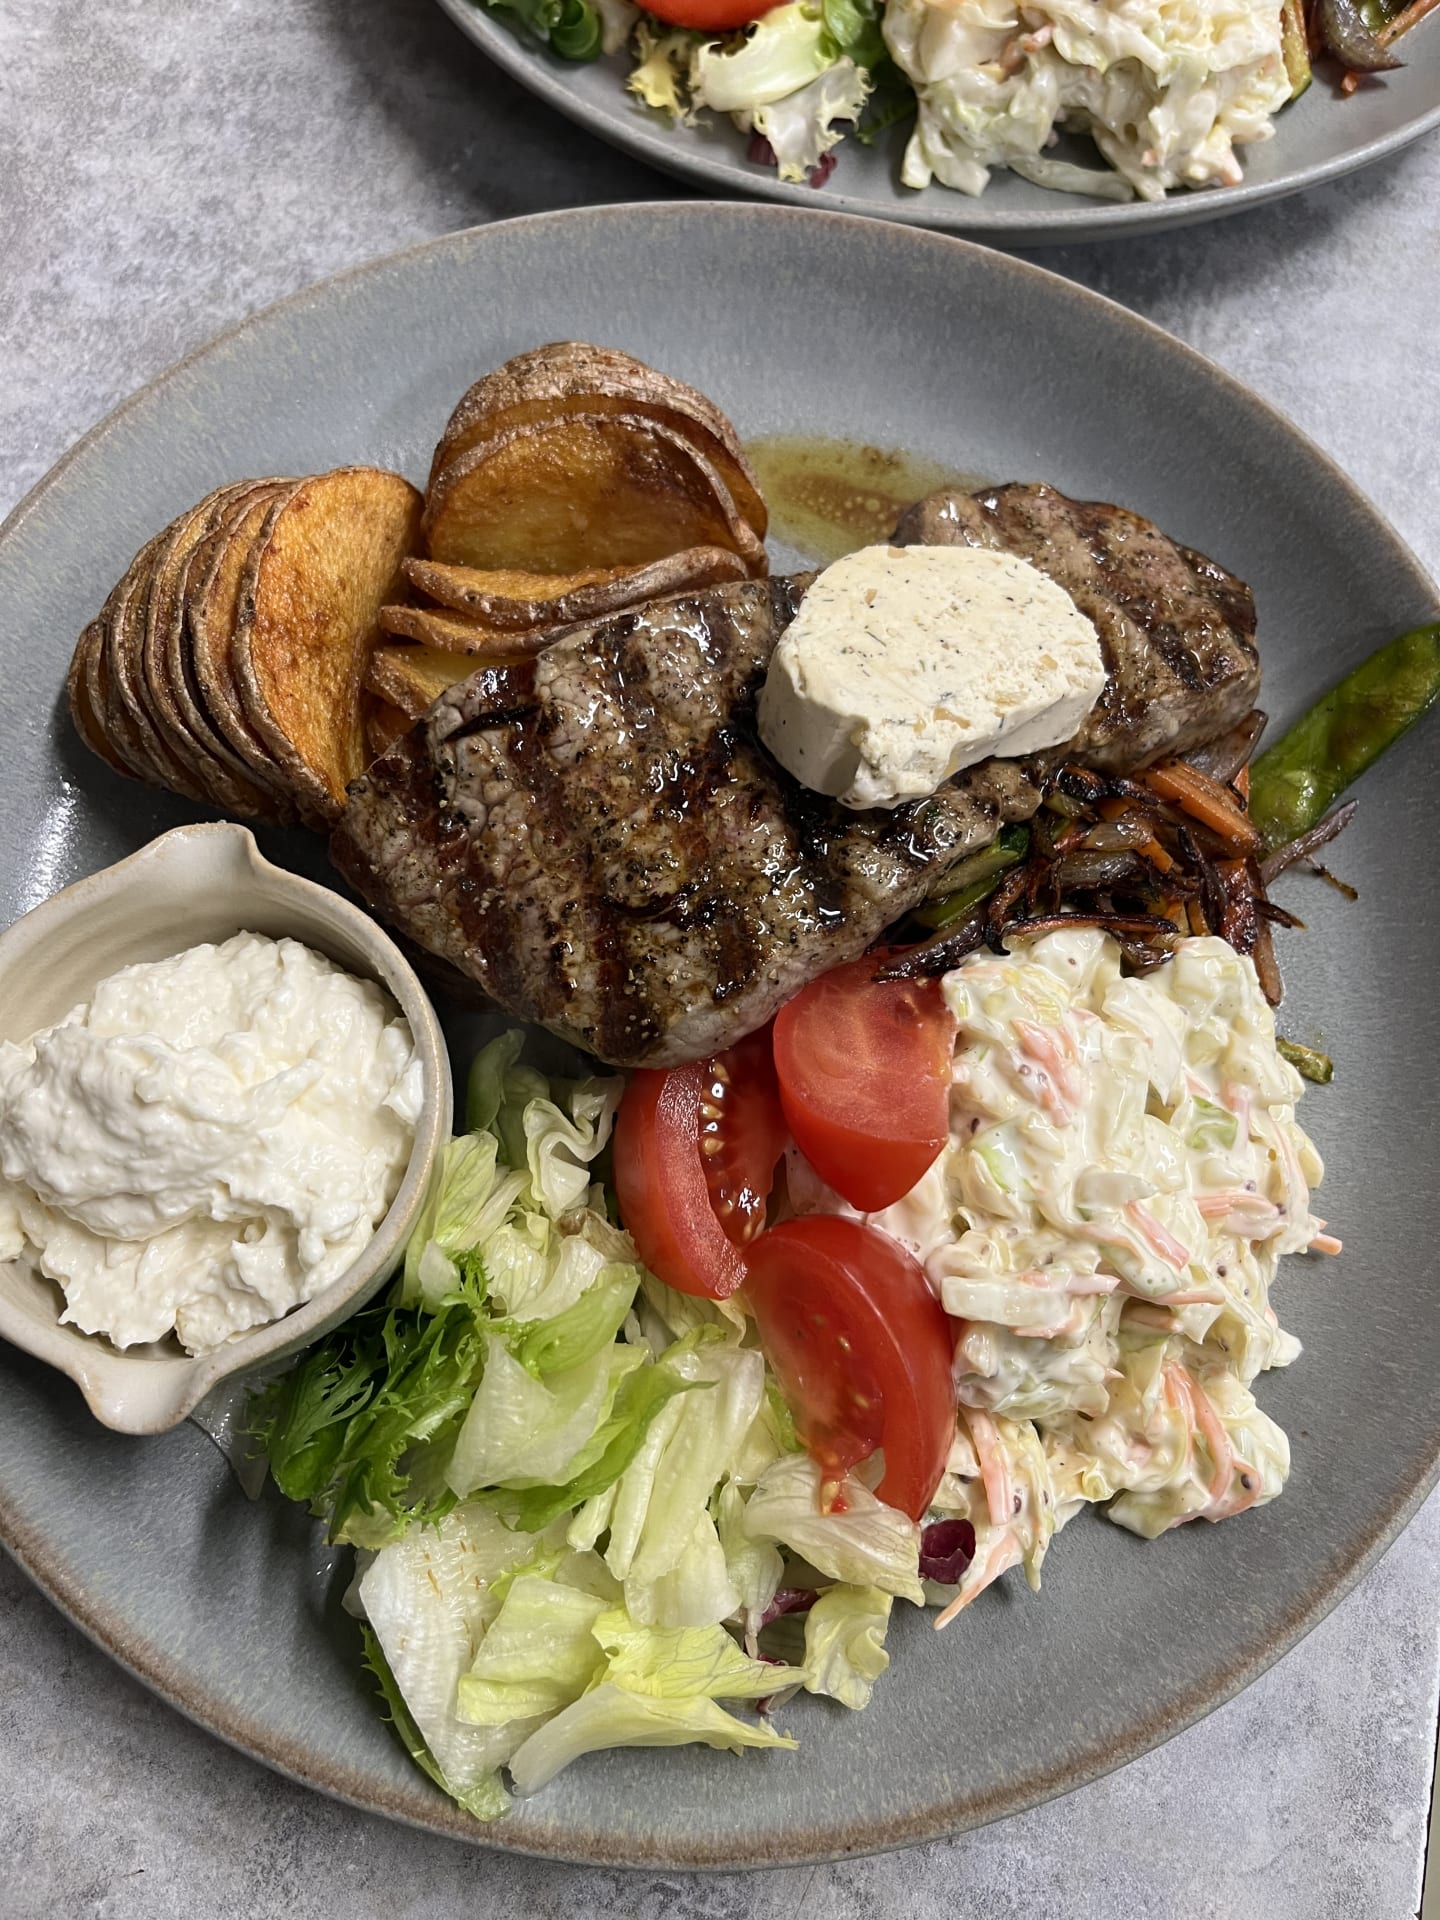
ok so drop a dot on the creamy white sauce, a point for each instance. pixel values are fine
(906, 664)
(208, 1142)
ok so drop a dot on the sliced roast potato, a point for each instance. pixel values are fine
(453, 633)
(183, 728)
(128, 719)
(221, 555)
(234, 786)
(92, 704)
(413, 678)
(513, 601)
(327, 559)
(570, 376)
(127, 663)
(212, 612)
(109, 709)
(89, 653)
(586, 490)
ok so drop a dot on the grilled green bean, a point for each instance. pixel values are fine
(1294, 783)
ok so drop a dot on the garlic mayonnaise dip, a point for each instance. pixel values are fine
(207, 1142)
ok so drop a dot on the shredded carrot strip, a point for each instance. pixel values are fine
(1178, 1394)
(1215, 1206)
(1195, 917)
(1161, 1240)
(1325, 1243)
(1143, 1313)
(1156, 854)
(1205, 800)
(1216, 1439)
(992, 1465)
(1242, 782)
(1052, 1049)
(1002, 1556)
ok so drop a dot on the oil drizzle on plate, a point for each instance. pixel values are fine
(828, 497)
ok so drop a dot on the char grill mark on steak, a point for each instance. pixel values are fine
(608, 850)
(1177, 631)
(599, 840)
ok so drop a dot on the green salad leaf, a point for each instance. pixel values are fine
(845, 1643)
(853, 27)
(573, 1489)
(487, 1798)
(574, 28)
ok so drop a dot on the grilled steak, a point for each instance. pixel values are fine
(597, 837)
(1177, 631)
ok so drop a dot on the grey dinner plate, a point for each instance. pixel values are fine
(1317, 138)
(905, 339)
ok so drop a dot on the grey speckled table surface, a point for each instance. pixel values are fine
(167, 168)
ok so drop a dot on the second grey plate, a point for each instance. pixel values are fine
(1318, 138)
(989, 366)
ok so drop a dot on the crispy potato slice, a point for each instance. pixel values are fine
(247, 792)
(183, 728)
(128, 719)
(235, 787)
(100, 695)
(569, 375)
(513, 601)
(413, 678)
(86, 663)
(312, 588)
(92, 703)
(113, 716)
(212, 611)
(585, 490)
(384, 724)
(453, 633)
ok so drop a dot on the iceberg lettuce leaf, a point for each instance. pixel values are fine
(612, 1716)
(520, 1431)
(866, 1545)
(845, 1643)
(538, 1654)
(684, 1663)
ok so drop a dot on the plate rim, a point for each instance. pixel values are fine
(1077, 222)
(597, 1847)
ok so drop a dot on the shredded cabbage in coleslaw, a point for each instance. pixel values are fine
(1166, 88)
(1124, 1173)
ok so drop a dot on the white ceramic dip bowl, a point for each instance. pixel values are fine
(193, 885)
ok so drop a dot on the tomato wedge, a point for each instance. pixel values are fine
(742, 1134)
(863, 1351)
(695, 1154)
(864, 1068)
(710, 16)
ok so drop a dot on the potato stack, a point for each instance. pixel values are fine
(227, 665)
(270, 642)
(571, 483)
